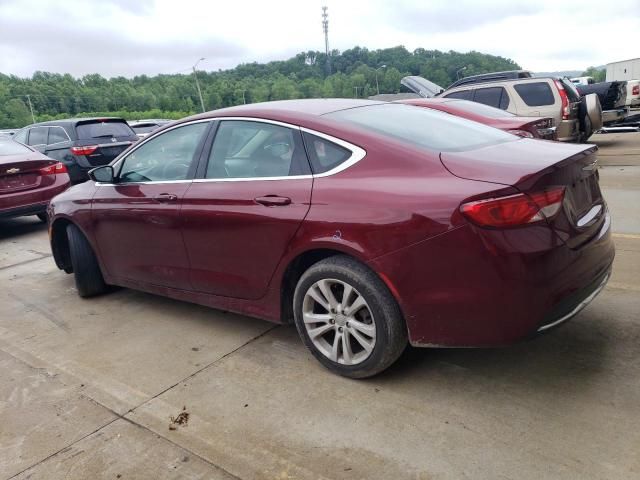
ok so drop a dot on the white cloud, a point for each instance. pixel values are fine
(122, 37)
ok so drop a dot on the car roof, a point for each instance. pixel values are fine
(288, 109)
(72, 121)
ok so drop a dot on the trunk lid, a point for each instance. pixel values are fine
(421, 86)
(22, 172)
(533, 166)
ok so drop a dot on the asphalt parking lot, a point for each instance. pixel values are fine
(130, 385)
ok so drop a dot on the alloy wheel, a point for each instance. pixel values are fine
(339, 322)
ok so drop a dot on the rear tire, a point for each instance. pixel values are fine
(87, 273)
(357, 341)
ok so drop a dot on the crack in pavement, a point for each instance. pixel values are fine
(6, 267)
(52, 317)
(139, 425)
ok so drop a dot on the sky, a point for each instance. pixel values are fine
(134, 37)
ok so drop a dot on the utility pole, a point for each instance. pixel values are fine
(33, 117)
(198, 83)
(325, 29)
(378, 86)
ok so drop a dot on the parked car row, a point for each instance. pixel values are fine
(370, 225)
(575, 117)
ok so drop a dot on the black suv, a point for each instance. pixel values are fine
(80, 143)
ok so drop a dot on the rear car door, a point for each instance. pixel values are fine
(136, 219)
(253, 191)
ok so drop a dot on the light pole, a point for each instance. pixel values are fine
(458, 72)
(33, 117)
(198, 83)
(378, 86)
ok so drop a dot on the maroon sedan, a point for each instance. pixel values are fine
(28, 180)
(529, 127)
(369, 224)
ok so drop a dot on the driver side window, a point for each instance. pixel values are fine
(164, 158)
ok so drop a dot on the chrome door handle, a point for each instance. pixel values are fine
(165, 198)
(273, 201)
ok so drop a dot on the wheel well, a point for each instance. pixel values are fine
(292, 274)
(60, 244)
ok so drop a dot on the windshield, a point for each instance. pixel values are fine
(104, 129)
(479, 109)
(423, 127)
(10, 147)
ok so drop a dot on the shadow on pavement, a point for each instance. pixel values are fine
(15, 227)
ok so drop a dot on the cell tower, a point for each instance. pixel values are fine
(325, 29)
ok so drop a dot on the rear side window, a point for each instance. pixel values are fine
(495, 97)
(535, 94)
(105, 129)
(323, 154)
(463, 95)
(38, 136)
(57, 135)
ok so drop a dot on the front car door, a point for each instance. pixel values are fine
(136, 219)
(253, 191)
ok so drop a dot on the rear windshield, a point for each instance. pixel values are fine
(535, 94)
(9, 147)
(423, 127)
(479, 109)
(106, 129)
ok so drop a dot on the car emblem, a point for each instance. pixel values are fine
(113, 140)
(13, 170)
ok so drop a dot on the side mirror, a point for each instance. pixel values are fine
(102, 174)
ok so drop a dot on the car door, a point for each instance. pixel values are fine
(253, 191)
(136, 219)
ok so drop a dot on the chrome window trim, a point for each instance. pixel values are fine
(357, 154)
(143, 141)
(155, 182)
(139, 144)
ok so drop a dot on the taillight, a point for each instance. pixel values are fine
(514, 210)
(86, 150)
(53, 169)
(565, 100)
(522, 133)
(635, 90)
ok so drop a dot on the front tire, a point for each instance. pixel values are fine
(348, 318)
(87, 273)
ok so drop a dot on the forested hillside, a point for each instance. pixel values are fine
(353, 74)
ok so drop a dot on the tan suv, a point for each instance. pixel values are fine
(528, 97)
(575, 118)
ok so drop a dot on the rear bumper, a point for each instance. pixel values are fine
(573, 304)
(24, 210)
(568, 131)
(32, 202)
(472, 287)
